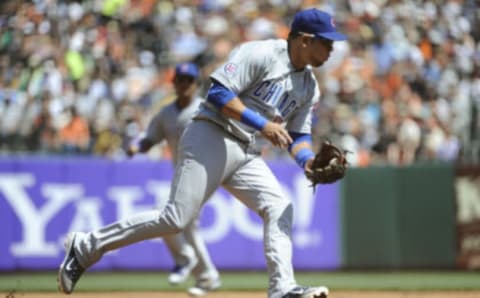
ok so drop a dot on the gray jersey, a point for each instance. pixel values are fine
(170, 122)
(272, 87)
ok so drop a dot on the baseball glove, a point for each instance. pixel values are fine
(328, 166)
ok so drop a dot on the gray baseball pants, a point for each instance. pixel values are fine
(188, 245)
(208, 158)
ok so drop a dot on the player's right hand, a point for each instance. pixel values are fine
(277, 135)
(135, 144)
(131, 151)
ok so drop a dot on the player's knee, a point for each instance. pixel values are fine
(277, 211)
(172, 225)
(176, 220)
(179, 226)
(280, 217)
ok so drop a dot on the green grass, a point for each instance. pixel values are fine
(250, 281)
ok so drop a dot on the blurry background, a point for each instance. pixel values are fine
(82, 77)
(79, 79)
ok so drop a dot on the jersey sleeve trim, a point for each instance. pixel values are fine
(304, 154)
(220, 95)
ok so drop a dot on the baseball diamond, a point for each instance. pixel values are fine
(233, 294)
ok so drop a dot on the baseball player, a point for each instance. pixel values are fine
(187, 248)
(266, 87)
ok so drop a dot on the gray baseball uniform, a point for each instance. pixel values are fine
(215, 150)
(169, 124)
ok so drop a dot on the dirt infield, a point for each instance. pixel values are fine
(335, 294)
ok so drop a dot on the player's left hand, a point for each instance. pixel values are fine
(308, 166)
(328, 165)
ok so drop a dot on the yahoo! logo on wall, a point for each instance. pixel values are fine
(43, 200)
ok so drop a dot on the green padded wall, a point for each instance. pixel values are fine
(398, 217)
(427, 216)
(367, 212)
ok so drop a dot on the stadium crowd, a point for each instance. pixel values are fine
(84, 77)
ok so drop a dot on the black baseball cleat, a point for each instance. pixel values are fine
(307, 292)
(70, 270)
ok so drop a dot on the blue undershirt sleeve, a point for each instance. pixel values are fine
(304, 154)
(219, 96)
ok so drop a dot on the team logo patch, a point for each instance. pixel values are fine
(230, 69)
(332, 22)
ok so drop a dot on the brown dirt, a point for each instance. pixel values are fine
(220, 294)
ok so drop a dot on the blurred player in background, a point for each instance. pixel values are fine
(187, 248)
(265, 87)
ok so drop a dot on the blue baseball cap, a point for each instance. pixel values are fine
(187, 69)
(316, 22)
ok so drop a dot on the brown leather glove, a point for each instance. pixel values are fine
(328, 166)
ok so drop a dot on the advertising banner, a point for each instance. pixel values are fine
(42, 199)
(467, 185)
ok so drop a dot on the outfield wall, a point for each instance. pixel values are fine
(467, 186)
(399, 217)
(43, 199)
(380, 217)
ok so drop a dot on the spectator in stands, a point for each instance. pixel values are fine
(74, 136)
(109, 57)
